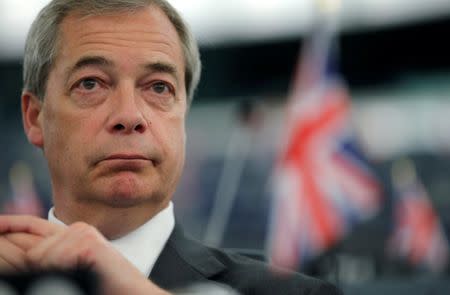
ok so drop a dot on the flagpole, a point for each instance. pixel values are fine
(235, 159)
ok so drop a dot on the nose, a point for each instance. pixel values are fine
(126, 116)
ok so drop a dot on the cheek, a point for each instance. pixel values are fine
(57, 143)
(176, 140)
(176, 157)
(66, 135)
(180, 148)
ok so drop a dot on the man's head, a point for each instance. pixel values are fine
(106, 99)
(44, 38)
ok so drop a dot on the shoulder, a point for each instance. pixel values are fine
(196, 262)
(250, 276)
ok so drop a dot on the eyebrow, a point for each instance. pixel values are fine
(162, 67)
(89, 61)
(159, 67)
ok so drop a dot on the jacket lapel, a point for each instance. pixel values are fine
(183, 262)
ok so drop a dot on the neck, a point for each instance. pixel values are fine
(113, 223)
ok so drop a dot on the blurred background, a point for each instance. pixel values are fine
(394, 59)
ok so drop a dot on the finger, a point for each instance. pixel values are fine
(27, 224)
(38, 257)
(74, 247)
(6, 267)
(24, 241)
(13, 258)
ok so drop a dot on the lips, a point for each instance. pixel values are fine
(125, 162)
(127, 157)
(124, 157)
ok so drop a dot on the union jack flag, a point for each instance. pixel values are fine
(24, 198)
(323, 185)
(418, 236)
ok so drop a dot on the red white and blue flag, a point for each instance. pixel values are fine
(418, 236)
(24, 198)
(323, 185)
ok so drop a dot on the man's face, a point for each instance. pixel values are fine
(113, 115)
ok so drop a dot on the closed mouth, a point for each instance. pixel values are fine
(127, 157)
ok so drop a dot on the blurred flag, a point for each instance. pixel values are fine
(322, 183)
(24, 199)
(417, 236)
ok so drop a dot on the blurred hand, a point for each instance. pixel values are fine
(13, 248)
(33, 242)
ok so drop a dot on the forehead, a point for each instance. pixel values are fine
(143, 34)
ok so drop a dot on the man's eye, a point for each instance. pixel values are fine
(88, 84)
(160, 87)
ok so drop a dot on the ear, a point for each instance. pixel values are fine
(31, 110)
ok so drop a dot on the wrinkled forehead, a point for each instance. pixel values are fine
(147, 32)
(150, 19)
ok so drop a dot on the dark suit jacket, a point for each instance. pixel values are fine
(184, 261)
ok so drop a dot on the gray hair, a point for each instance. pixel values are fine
(41, 46)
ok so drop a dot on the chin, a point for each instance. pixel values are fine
(125, 193)
(118, 199)
(125, 190)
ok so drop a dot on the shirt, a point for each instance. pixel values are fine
(142, 246)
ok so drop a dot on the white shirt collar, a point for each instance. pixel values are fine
(142, 246)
